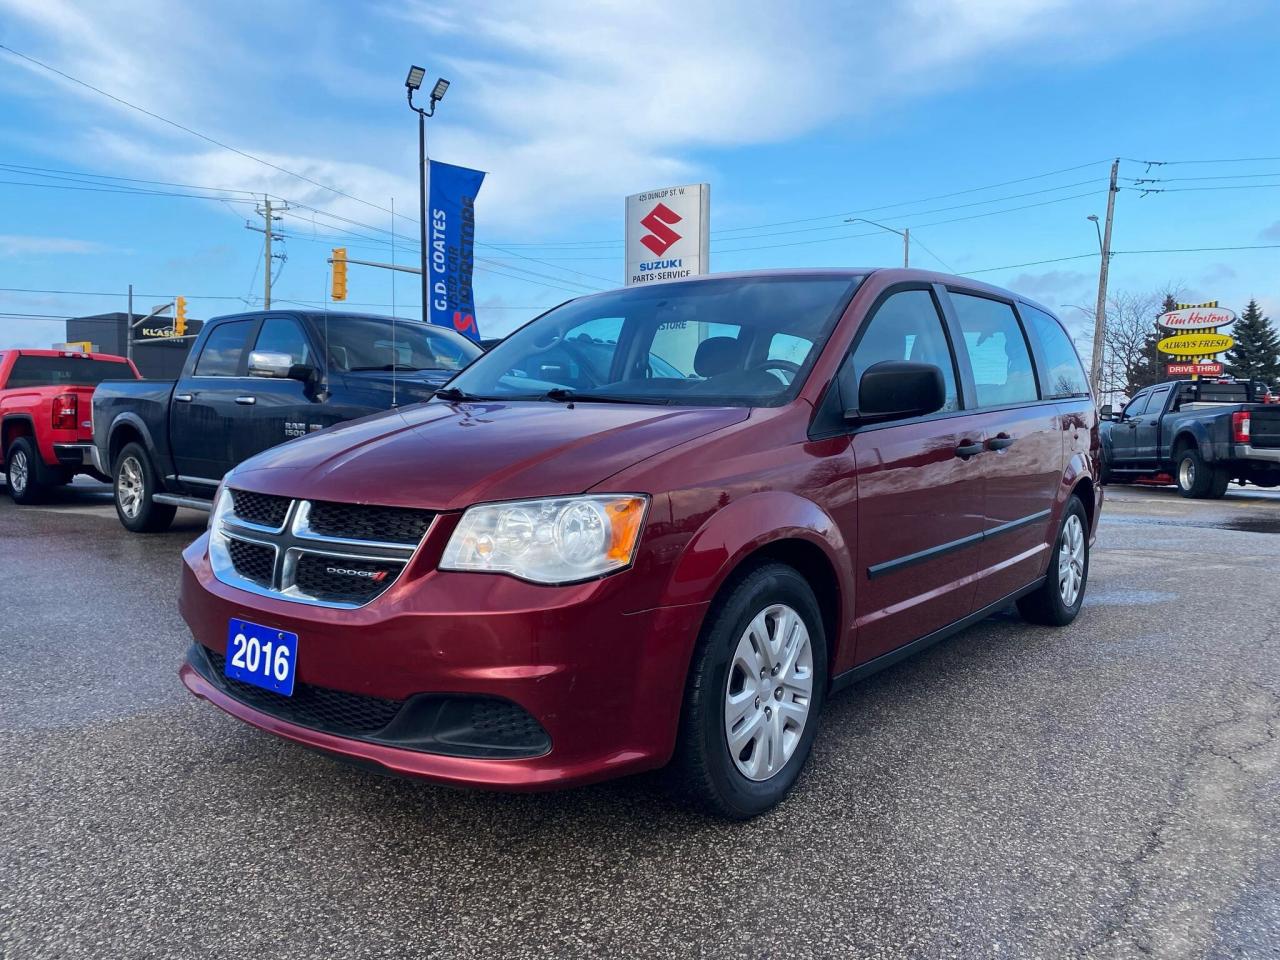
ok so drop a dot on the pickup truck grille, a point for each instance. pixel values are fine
(315, 552)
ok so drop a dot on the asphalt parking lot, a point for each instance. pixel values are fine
(1108, 790)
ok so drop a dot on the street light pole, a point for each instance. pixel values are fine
(905, 234)
(413, 81)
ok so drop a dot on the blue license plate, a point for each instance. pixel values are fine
(263, 656)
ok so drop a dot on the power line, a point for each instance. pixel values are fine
(243, 153)
(1121, 253)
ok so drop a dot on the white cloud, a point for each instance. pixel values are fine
(567, 105)
(19, 245)
(1271, 234)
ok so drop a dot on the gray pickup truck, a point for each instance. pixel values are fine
(251, 381)
(1198, 434)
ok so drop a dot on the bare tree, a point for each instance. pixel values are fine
(1129, 357)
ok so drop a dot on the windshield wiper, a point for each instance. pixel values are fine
(454, 395)
(565, 395)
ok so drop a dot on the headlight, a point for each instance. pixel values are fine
(559, 540)
(221, 506)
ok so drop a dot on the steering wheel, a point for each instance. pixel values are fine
(786, 366)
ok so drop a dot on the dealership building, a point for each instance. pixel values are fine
(157, 355)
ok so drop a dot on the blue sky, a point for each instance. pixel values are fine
(799, 112)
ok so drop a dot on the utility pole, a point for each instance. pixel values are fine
(268, 213)
(1100, 313)
(128, 330)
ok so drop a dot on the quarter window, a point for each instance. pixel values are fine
(224, 349)
(906, 327)
(1002, 370)
(1064, 376)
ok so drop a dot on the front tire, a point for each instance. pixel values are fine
(1057, 601)
(20, 465)
(755, 692)
(135, 484)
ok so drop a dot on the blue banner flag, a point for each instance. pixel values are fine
(451, 234)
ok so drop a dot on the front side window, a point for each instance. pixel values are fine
(705, 342)
(998, 354)
(224, 349)
(907, 326)
(358, 344)
(1137, 406)
(1064, 375)
(283, 335)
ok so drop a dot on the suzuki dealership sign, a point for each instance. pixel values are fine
(669, 233)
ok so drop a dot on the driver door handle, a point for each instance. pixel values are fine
(967, 450)
(1000, 441)
(247, 401)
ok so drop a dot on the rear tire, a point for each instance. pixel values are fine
(1057, 601)
(135, 484)
(21, 466)
(758, 681)
(1196, 479)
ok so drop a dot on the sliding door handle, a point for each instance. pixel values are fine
(1000, 441)
(967, 450)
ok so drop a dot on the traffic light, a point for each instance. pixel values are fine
(339, 261)
(180, 316)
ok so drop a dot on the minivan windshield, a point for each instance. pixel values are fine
(729, 342)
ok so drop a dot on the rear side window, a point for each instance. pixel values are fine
(224, 349)
(74, 371)
(1002, 370)
(906, 327)
(1064, 376)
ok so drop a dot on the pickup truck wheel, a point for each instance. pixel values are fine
(20, 464)
(135, 484)
(754, 694)
(1058, 600)
(1198, 480)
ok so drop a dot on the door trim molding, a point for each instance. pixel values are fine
(864, 670)
(911, 559)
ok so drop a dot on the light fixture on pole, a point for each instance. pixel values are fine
(904, 233)
(413, 82)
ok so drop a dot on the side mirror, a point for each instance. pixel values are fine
(1107, 412)
(278, 366)
(897, 389)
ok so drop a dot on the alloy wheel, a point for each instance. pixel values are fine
(768, 692)
(1071, 561)
(19, 472)
(130, 487)
(1187, 473)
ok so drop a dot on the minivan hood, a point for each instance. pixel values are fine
(445, 456)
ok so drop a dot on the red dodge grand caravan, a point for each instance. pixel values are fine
(654, 526)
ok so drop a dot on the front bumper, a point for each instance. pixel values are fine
(603, 684)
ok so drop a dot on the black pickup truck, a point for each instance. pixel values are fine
(251, 381)
(1198, 434)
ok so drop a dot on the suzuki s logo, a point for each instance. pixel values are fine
(377, 576)
(660, 236)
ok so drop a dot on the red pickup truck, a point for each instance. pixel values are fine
(46, 427)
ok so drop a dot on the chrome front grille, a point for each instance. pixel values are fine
(315, 552)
